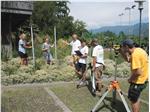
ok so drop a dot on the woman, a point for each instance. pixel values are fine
(22, 49)
(46, 50)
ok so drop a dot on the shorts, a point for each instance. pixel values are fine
(81, 67)
(22, 55)
(135, 91)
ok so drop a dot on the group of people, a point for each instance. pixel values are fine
(136, 56)
(80, 51)
(23, 45)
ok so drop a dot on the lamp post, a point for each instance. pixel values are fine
(120, 15)
(129, 8)
(140, 2)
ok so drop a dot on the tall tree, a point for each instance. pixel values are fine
(47, 14)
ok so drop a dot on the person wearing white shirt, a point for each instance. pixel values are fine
(76, 44)
(98, 63)
(22, 49)
(81, 66)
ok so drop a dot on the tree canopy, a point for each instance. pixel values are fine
(47, 14)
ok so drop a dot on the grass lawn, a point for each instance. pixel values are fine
(81, 100)
(36, 99)
(31, 99)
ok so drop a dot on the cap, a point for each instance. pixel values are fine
(127, 42)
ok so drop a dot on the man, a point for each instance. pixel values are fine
(98, 63)
(22, 49)
(139, 71)
(81, 66)
(76, 44)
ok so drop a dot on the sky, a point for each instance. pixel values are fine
(98, 14)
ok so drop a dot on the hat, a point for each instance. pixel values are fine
(127, 42)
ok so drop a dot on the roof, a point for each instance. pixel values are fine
(17, 7)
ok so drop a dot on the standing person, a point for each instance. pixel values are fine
(139, 71)
(81, 66)
(46, 50)
(98, 63)
(76, 44)
(22, 49)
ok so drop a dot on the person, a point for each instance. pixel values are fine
(81, 66)
(139, 71)
(98, 63)
(76, 44)
(46, 50)
(22, 49)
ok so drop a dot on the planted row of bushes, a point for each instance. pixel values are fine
(13, 73)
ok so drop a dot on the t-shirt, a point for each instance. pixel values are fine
(98, 52)
(84, 51)
(46, 46)
(75, 46)
(22, 43)
(139, 60)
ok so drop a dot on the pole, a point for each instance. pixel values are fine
(140, 27)
(129, 21)
(55, 42)
(114, 90)
(32, 47)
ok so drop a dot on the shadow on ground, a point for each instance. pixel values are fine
(114, 107)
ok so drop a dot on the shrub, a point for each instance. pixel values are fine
(60, 71)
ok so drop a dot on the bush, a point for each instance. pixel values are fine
(13, 73)
(123, 69)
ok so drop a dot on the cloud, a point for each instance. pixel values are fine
(98, 14)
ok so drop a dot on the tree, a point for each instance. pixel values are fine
(79, 27)
(47, 14)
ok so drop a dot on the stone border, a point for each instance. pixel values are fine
(57, 101)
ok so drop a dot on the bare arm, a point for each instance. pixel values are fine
(25, 46)
(135, 74)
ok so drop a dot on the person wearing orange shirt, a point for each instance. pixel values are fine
(138, 58)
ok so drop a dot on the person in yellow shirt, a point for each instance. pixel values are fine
(139, 71)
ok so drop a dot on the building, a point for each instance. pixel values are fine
(13, 14)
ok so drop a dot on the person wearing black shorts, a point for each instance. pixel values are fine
(22, 55)
(22, 50)
(81, 65)
(138, 59)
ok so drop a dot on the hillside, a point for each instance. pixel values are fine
(116, 29)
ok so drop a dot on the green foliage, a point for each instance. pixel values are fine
(63, 50)
(123, 69)
(79, 27)
(47, 14)
(13, 73)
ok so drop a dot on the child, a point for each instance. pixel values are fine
(22, 49)
(46, 50)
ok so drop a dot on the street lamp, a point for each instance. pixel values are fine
(120, 15)
(129, 8)
(140, 2)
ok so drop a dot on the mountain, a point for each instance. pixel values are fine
(134, 29)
